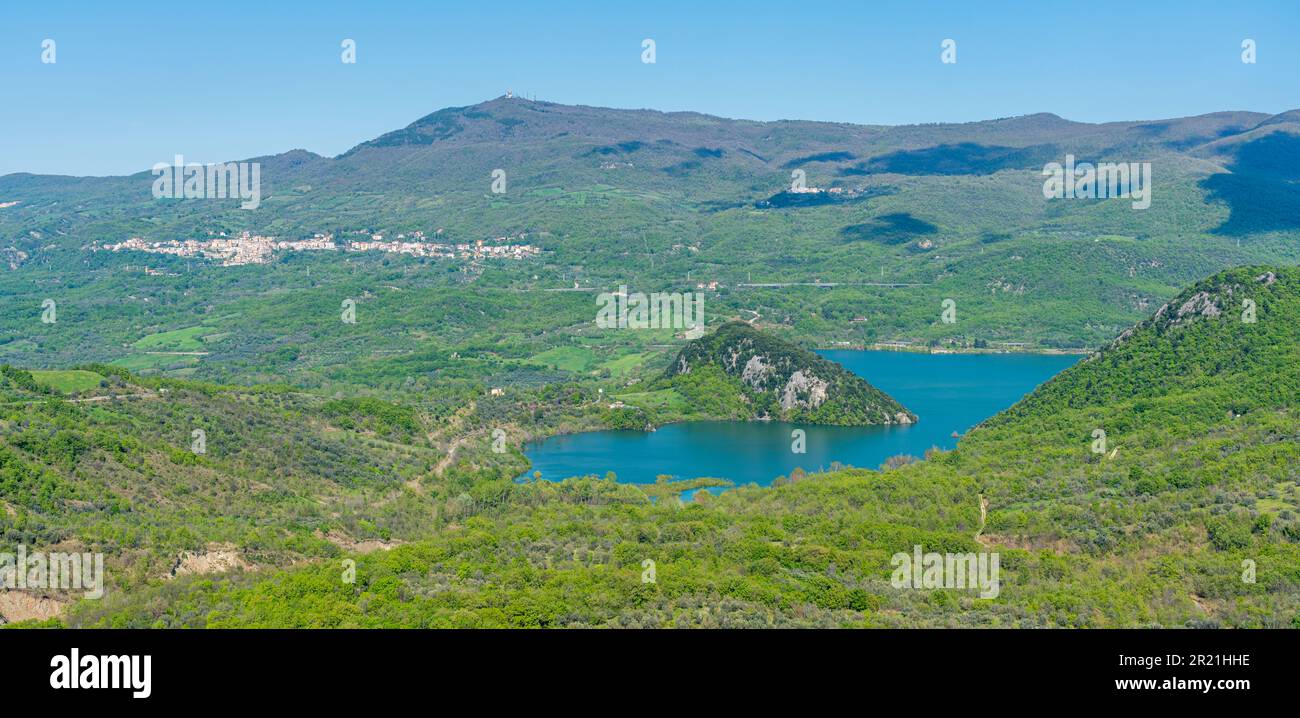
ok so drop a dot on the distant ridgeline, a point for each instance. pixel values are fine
(782, 381)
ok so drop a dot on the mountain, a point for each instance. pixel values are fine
(906, 218)
(452, 152)
(703, 162)
(783, 381)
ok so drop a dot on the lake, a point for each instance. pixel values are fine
(947, 392)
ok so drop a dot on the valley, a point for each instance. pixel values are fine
(291, 483)
(325, 380)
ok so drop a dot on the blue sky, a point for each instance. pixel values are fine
(228, 80)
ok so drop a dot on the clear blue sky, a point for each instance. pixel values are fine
(229, 80)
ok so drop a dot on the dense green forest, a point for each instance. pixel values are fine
(1200, 479)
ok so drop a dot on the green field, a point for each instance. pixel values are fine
(67, 381)
(575, 359)
(626, 364)
(189, 339)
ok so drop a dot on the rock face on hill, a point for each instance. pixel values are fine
(783, 381)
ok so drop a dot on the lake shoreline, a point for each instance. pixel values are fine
(951, 396)
(923, 349)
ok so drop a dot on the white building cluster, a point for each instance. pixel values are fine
(248, 248)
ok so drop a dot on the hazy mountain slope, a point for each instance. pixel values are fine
(656, 201)
(451, 153)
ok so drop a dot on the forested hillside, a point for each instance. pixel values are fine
(770, 378)
(1185, 513)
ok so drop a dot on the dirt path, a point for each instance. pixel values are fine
(457, 426)
(86, 400)
(111, 397)
(451, 455)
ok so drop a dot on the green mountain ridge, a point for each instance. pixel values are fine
(663, 201)
(1215, 332)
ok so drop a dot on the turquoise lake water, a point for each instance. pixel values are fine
(948, 392)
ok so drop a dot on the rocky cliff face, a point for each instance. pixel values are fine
(787, 382)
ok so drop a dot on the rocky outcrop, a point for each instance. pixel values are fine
(803, 390)
(781, 380)
(218, 558)
(18, 606)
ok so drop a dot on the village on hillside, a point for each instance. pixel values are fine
(248, 248)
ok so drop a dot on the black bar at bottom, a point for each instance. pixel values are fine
(230, 669)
